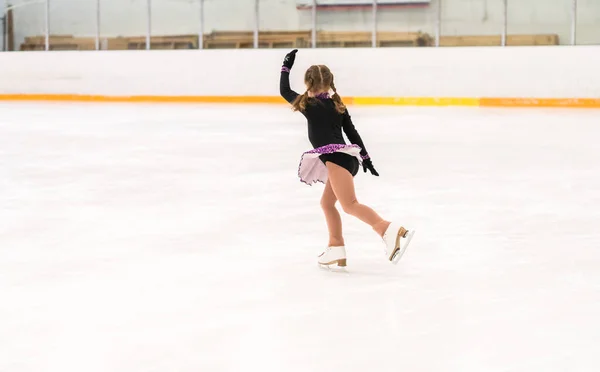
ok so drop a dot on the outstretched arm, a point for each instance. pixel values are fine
(284, 80)
(284, 86)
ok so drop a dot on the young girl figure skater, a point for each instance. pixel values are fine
(335, 163)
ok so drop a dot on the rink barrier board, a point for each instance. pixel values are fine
(382, 101)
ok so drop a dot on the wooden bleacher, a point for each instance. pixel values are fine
(58, 42)
(363, 39)
(280, 39)
(496, 40)
(266, 39)
(162, 42)
(68, 42)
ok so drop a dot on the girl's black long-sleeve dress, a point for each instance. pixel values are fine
(325, 125)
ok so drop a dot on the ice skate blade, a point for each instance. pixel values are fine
(403, 245)
(340, 263)
(334, 268)
(331, 266)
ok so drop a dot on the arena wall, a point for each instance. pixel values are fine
(512, 76)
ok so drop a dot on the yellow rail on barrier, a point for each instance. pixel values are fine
(385, 101)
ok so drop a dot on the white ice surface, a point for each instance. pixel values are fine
(179, 238)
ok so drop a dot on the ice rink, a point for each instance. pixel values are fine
(141, 238)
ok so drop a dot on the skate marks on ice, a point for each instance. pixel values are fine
(174, 241)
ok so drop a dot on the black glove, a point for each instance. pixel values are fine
(289, 59)
(368, 164)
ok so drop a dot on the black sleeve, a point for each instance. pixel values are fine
(284, 87)
(352, 134)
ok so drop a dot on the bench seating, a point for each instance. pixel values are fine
(363, 39)
(496, 40)
(280, 39)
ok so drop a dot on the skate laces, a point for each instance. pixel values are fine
(327, 250)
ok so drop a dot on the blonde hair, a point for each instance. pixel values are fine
(318, 78)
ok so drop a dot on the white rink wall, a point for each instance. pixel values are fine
(536, 72)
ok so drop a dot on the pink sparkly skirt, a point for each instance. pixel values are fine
(312, 169)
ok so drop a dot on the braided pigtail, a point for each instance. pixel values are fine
(301, 101)
(339, 105)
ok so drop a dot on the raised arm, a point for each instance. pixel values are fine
(284, 86)
(284, 80)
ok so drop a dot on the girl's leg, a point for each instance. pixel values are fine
(342, 184)
(332, 216)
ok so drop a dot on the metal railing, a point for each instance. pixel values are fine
(439, 13)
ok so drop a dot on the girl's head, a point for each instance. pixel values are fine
(318, 79)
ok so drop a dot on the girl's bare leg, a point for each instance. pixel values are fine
(342, 185)
(334, 220)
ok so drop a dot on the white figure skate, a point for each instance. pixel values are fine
(332, 256)
(396, 239)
